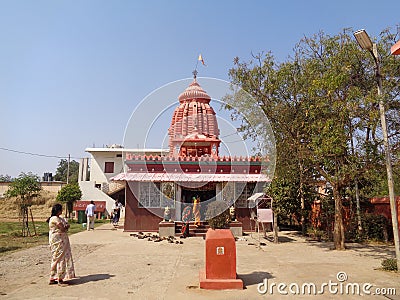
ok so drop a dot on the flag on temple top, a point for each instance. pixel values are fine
(201, 59)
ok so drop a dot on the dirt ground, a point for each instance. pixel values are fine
(112, 264)
(41, 207)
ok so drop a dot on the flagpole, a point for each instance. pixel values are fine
(200, 58)
(195, 70)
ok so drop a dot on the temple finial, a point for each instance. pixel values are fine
(194, 74)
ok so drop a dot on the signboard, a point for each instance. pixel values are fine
(220, 250)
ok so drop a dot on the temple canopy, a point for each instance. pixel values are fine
(190, 177)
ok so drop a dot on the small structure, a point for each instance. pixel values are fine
(382, 207)
(80, 208)
(220, 269)
(105, 163)
(166, 229)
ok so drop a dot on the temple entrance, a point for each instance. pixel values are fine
(187, 198)
(205, 193)
(187, 195)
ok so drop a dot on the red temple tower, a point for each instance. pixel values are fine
(194, 128)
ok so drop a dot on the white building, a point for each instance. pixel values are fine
(95, 173)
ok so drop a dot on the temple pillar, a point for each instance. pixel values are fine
(218, 191)
(178, 202)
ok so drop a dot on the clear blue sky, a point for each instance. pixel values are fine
(72, 72)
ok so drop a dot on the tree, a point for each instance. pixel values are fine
(319, 103)
(62, 169)
(5, 178)
(68, 195)
(25, 188)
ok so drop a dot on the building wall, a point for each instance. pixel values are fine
(89, 192)
(99, 156)
(98, 185)
(146, 219)
(3, 188)
(139, 218)
(382, 207)
(97, 166)
(51, 186)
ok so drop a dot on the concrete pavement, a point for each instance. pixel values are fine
(112, 264)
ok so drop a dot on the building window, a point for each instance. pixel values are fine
(119, 155)
(243, 191)
(168, 194)
(109, 167)
(150, 194)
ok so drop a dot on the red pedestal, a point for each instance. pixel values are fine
(220, 270)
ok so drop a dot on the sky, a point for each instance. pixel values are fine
(72, 73)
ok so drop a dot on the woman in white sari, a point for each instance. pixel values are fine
(62, 265)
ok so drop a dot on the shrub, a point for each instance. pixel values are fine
(217, 215)
(389, 264)
(375, 227)
(351, 231)
(316, 233)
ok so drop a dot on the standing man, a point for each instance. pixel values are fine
(90, 209)
(117, 212)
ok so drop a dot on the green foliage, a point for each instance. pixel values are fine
(316, 234)
(217, 215)
(284, 191)
(389, 264)
(5, 178)
(322, 104)
(61, 172)
(375, 227)
(25, 187)
(69, 194)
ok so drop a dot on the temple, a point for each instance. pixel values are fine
(192, 168)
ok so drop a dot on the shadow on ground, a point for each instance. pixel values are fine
(89, 278)
(362, 249)
(254, 278)
(269, 237)
(9, 248)
(281, 239)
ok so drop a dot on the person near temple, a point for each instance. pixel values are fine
(90, 213)
(62, 265)
(196, 210)
(186, 216)
(116, 212)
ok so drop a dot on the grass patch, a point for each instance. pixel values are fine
(389, 264)
(11, 238)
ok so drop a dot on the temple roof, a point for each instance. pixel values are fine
(194, 92)
(193, 119)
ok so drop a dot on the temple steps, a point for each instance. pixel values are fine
(194, 231)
